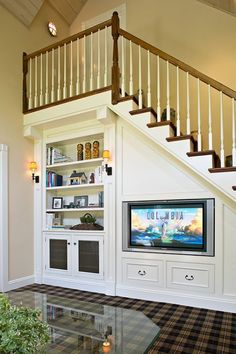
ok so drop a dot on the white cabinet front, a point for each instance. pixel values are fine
(74, 255)
(193, 277)
(58, 254)
(88, 256)
(142, 273)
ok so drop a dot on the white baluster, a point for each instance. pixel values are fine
(131, 84)
(140, 93)
(233, 134)
(188, 106)
(158, 90)
(105, 57)
(52, 88)
(30, 84)
(36, 82)
(58, 73)
(209, 119)
(167, 91)
(46, 81)
(199, 135)
(99, 61)
(91, 62)
(222, 152)
(122, 68)
(71, 68)
(41, 80)
(149, 98)
(84, 65)
(64, 85)
(177, 108)
(77, 66)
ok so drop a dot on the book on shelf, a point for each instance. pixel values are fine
(53, 179)
(54, 155)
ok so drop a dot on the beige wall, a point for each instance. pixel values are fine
(189, 30)
(16, 38)
(92, 9)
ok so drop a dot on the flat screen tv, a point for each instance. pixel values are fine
(169, 226)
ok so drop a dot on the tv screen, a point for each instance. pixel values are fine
(185, 226)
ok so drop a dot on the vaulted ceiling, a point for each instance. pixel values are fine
(26, 10)
(228, 6)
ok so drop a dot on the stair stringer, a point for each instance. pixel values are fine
(222, 182)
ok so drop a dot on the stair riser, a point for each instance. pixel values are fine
(127, 106)
(160, 133)
(143, 118)
(180, 147)
(202, 163)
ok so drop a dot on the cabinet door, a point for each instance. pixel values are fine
(58, 254)
(88, 256)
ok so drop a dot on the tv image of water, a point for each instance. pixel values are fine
(175, 240)
(167, 227)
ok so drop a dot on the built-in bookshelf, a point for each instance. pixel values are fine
(74, 182)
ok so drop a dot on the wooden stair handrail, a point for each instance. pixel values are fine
(185, 67)
(72, 38)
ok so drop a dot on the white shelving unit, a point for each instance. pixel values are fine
(80, 186)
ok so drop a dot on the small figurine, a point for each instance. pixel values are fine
(87, 151)
(80, 152)
(95, 149)
(92, 178)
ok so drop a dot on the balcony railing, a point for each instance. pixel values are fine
(107, 57)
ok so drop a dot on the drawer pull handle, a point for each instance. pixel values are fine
(187, 277)
(142, 272)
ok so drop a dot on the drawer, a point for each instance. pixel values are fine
(190, 276)
(136, 271)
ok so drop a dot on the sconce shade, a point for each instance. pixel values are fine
(106, 154)
(33, 166)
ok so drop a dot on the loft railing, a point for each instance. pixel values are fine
(85, 63)
(67, 69)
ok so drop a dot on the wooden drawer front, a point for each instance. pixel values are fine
(148, 272)
(196, 277)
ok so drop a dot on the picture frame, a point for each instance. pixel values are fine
(57, 203)
(81, 201)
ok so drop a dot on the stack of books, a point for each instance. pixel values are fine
(53, 179)
(54, 155)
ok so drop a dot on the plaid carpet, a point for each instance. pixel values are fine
(184, 329)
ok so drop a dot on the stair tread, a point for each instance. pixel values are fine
(222, 169)
(202, 153)
(143, 110)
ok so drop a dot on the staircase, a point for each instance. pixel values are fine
(187, 113)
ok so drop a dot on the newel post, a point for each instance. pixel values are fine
(115, 64)
(25, 71)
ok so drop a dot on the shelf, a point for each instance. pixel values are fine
(75, 163)
(76, 186)
(74, 209)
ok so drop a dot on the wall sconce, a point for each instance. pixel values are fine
(106, 158)
(33, 167)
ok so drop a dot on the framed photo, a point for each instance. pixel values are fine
(81, 201)
(57, 203)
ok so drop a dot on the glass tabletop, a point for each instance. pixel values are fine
(82, 327)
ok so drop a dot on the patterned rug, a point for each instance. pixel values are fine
(184, 329)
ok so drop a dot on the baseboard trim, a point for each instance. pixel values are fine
(200, 301)
(92, 286)
(20, 282)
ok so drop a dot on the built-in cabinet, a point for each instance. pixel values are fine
(74, 255)
(73, 189)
